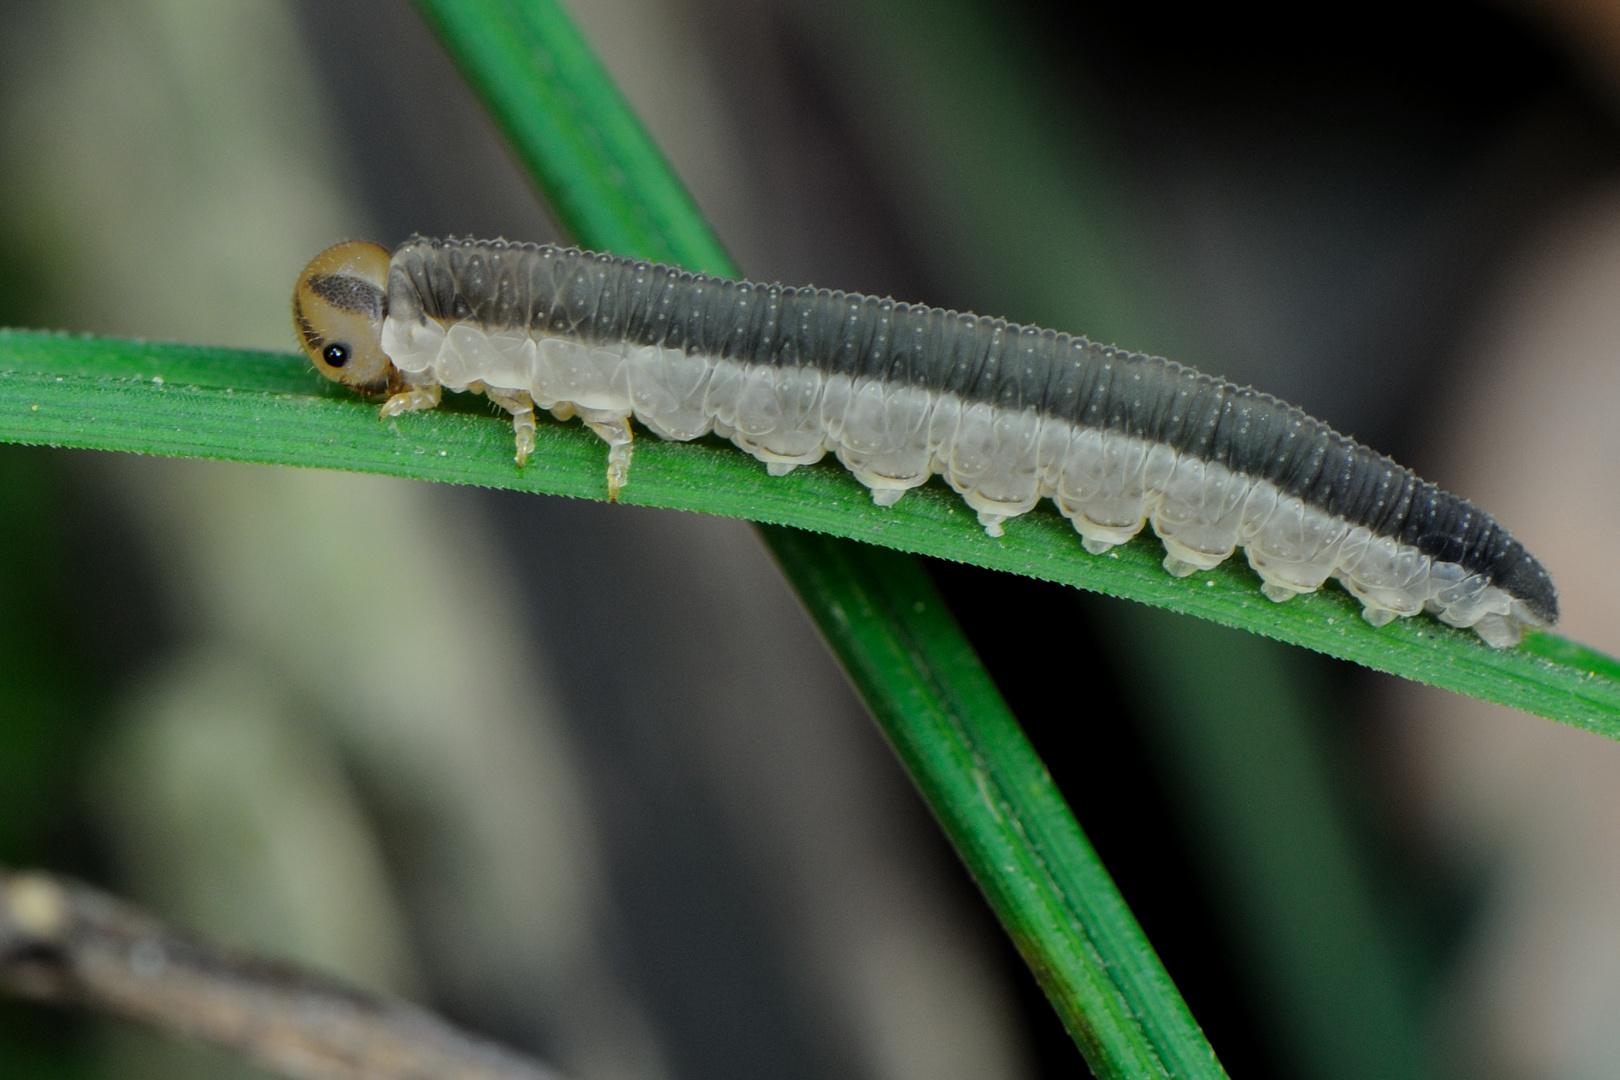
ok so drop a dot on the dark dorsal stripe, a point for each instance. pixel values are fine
(604, 298)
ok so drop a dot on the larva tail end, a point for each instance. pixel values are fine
(338, 308)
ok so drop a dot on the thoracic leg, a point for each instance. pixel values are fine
(415, 399)
(521, 406)
(621, 442)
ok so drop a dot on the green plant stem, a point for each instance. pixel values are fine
(613, 190)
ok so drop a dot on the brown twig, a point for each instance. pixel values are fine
(64, 942)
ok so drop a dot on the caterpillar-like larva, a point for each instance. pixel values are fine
(1007, 414)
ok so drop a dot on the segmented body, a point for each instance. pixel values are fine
(1006, 414)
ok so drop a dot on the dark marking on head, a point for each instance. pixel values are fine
(336, 354)
(306, 330)
(348, 293)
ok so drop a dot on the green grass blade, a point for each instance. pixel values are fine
(961, 744)
(100, 393)
(607, 182)
(580, 139)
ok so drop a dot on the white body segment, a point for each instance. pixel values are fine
(894, 437)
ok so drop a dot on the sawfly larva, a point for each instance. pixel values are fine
(1007, 414)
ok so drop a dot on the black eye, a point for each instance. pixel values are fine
(335, 355)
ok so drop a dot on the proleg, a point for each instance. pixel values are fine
(1006, 414)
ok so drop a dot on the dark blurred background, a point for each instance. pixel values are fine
(582, 777)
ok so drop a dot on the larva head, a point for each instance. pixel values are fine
(338, 308)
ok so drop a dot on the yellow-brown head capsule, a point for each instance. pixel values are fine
(338, 308)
